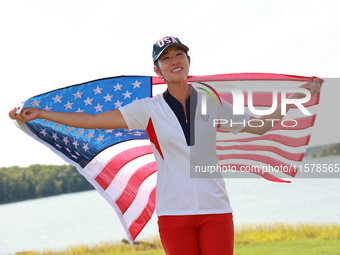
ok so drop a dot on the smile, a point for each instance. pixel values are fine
(177, 69)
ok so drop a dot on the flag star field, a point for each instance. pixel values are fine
(81, 145)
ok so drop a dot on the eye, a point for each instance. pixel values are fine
(165, 58)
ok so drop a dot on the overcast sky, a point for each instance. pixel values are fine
(47, 45)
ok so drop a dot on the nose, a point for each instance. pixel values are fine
(175, 60)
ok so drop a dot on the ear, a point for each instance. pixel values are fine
(157, 71)
(189, 59)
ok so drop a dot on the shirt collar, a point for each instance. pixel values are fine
(173, 102)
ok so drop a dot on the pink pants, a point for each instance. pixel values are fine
(211, 234)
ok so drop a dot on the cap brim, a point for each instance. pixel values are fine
(184, 47)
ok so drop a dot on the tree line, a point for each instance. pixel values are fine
(331, 150)
(36, 181)
(323, 150)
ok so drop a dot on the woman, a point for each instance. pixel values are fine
(195, 216)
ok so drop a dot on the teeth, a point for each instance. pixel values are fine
(175, 70)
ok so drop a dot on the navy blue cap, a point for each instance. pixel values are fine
(164, 43)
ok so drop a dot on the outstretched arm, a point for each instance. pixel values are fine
(112, 119)
(313, 87)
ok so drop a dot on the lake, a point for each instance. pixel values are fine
(85, 217)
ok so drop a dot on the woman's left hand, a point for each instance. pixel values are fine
(312, 86)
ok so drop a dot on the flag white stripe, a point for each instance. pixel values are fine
(142, 198)
(296, 134)
(283, 147)
(120, 181)
(104, 157)
(258, 152)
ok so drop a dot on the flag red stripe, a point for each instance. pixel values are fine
(108, 173)
(156, 80)
(251, 77)
(265, 99)
(290, 169)
(282, 153)
(144, 217)
(286, 140)
(131, 189)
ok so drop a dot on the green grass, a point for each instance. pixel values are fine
(297, 247)
(273, 239)
(260, 233)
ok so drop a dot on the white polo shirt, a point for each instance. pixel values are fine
(178, 193)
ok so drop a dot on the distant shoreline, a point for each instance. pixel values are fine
(323, 150)
(37, 181)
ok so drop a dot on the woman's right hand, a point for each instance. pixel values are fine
(26, 114)
(112, 119)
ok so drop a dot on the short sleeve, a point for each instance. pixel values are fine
(137, 113)
(234, 122)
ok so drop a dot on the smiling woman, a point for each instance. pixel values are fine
(195, 216)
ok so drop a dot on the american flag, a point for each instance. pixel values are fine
(120, 163)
